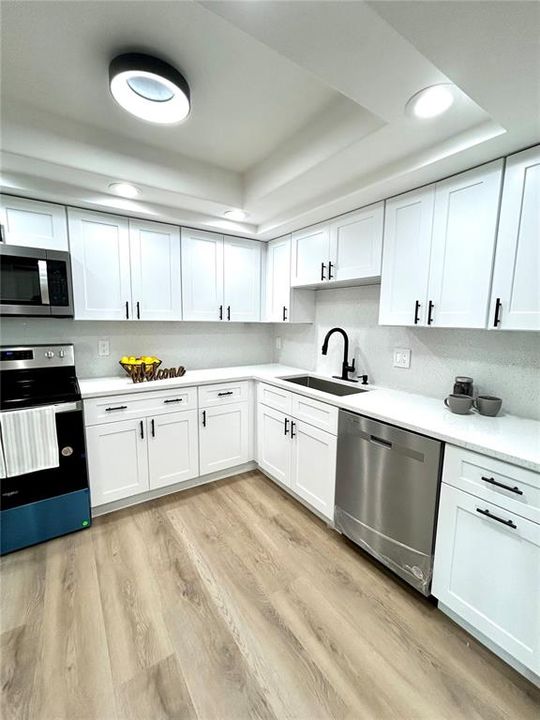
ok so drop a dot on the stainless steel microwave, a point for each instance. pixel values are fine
(35, 282)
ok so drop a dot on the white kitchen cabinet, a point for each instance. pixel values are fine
(310, 253)
(273, 443)
(173, 448)
(33, 224)
(155, 271)
(462, 247)
(241, 279)
(283, 303)
(100, 264)
(356, 244)
(405, 265)
(117, 460)
(515, 298)
(487, 572)
(313, 466)
(223, 437)
(202, 275)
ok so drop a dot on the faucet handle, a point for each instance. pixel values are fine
(351, 367)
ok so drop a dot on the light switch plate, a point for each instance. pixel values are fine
(104, 347)
(402, 357)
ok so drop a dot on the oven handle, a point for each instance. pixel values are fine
(43, 282)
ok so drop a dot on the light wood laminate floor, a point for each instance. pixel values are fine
(232, 601)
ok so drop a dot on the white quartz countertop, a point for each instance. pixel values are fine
(507, 437)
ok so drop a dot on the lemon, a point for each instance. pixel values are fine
(124, 359)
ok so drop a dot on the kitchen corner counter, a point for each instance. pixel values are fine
(506, 437)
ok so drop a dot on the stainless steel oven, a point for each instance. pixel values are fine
(35, 282)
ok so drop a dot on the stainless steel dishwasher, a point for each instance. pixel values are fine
(387, 491)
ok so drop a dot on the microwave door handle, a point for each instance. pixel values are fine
(43, 282)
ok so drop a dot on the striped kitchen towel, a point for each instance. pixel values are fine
(3, 473)
(29, 440)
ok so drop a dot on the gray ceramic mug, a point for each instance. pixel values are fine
(459, 404)
(488, 405)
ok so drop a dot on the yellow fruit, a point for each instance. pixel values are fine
(131, 359)
(125, 359)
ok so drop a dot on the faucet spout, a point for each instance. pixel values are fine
(346, 368)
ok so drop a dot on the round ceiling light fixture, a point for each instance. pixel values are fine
(149, 88)
(237, 215)
(124, 189)
(431, 101)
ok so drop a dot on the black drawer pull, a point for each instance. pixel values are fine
(497, 318)
(174, 400)
(142, 430)
(330, 276)
(284, 313)
(286, 428)
(323, 268)
(127, 310)
(509, 523)
(222, 394)
(416, 309)
(118, 407)
(204, 418)
(153, 427)
(293, 425)
(138, 310)
(228, 312)
(431, 305)
(221, 312)
(492, 481)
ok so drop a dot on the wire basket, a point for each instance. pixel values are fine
(140, 371)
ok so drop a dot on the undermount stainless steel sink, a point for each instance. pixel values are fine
(327, 386)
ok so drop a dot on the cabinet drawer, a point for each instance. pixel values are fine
(211, 395)
(315, 413)
(123, 407)
(508, 486)
(274, 397)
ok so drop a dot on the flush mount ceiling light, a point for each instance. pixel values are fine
(431, 101)
(149, 88)
(237, 215)
(126, 190)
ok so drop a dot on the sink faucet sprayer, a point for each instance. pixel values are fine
(345, 368)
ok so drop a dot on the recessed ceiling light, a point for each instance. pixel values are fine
(431, 101)
(149, 88)
(237, 215)
(124, 189)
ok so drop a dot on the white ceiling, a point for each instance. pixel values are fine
(297, 107)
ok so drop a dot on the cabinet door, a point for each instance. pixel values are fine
(274, 443)
(117, 460)
(155, 270)
(223, 437)
(516, 276)
(99, 247)
(313, 466)
(356, 244)
(463, 245)
(488, 572)
(310, 253)
(33, 224)
(173, 448)
(278, 280)
(405, 265)
(242, 279)
(202, 275)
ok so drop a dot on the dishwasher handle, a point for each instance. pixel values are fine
(380, 441)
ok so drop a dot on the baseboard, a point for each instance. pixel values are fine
(170, 489)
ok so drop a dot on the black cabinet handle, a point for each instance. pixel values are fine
(118, 407)
(498, 308)
(138, 310)
(2, 234)
(142, 430)
(492, 481)
(127, 310)
(323, 268)
(286, 428)
(330, 276)
(284, 313)
(509, 523)
(174, 400)
(293, 425)
(430, 312)
(221, 312)
(416, 310)
(153, 428)
(228, 312)
(204, 418)
(222, 394)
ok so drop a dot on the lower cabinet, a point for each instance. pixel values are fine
(487, 572)
(223, 437)
(298, 455)
(117, 460)
(173, 448)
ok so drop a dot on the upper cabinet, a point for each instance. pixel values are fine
(438, 251)
(33, 224)
(515, 297)
(283, 304)
(221, 277)
(124, 270)
(346, 250)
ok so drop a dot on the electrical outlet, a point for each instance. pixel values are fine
(402, 358)
(104, 347)
(278, 343)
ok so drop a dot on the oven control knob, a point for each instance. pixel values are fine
(61, 354)
(49, 354)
